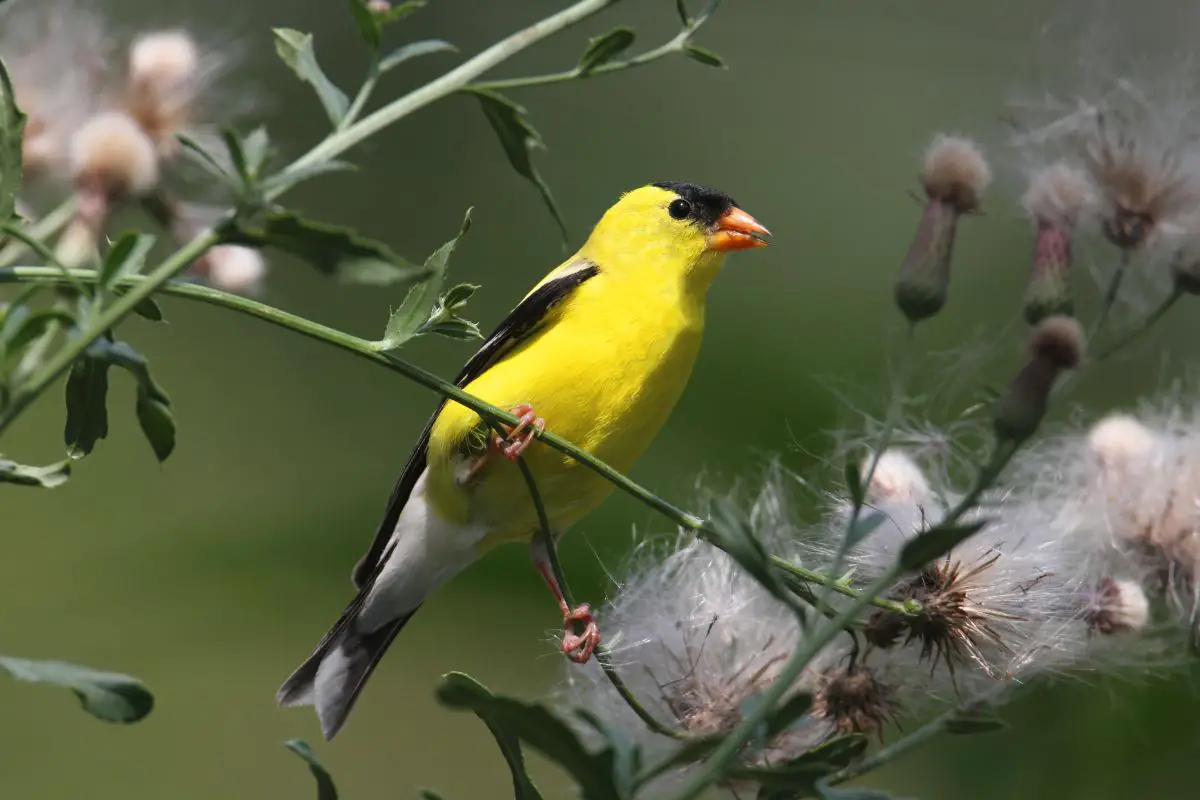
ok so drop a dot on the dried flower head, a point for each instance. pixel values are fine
(113, 156)
(1056, 345)
(167, 73)
(1056, 197)
(1120, 440)
(955, 175)
(1058, 194)
(1117, 606)
(855, 699)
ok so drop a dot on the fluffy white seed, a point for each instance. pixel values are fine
(1119, 440)
(163, 60)
(1058, 193)
(896, 478)
(112, 153)
(236, 269)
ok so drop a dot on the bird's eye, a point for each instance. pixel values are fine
(679, 209)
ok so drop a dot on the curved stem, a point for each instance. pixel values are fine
(341, 141)
(65, 356)
(368, 350)
(1110, 296)
(41, 230)
(670, 48)
(1146, 325)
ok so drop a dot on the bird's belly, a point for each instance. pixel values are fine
(609, 396)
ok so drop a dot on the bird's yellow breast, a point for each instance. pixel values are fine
(604, 370)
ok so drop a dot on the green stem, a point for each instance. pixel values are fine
(360, 99)
(341, 141)
(41, 230)
(600, 653)
(748, 728)
(41, 251)
(1146, 325)
(62, 359)
(369, 351)
(669, 48)
(1110, 296)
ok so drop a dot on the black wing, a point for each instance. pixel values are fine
(520, 323)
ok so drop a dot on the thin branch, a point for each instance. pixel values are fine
(41, 230)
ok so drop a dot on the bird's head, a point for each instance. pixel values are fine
(669, 223)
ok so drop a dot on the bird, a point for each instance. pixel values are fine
(599, 353)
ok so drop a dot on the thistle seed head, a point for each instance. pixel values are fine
(955, 173)
(111, 154)
(1117, 606)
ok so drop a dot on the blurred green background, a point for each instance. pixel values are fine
(211, 577)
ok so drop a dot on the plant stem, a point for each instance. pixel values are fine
(1110, 296)
(360, 99)
(1146, 325)
(41, 230)
(341, 141)
(368, 350)
(669, 48)
(600, 653)
(62, 359)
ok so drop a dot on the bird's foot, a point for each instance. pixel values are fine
(579, 646)
(517, 439)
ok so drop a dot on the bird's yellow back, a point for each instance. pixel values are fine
(604, 370)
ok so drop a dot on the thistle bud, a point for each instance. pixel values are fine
(955, 175)
(1056, 345)
(1117, 606)
(1056, 197)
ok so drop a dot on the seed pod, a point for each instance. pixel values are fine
(955, 175)
(1057, 345)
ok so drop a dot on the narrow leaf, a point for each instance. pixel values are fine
(602, 49)
(854, 483)
(256, 147)
(109, 696)
(461, 691)
(936, 542)
(534, 725)
(149, 309)
(12, 130)
(126, 257)
(626, 756)
(47, 477)
(731, 532)
(681, 9)
(87, 405)
(369, 26)
(703, 55)
(406, 321)
(152, 406)
(201, 155)
(864, 526)
(296, 50)
(325, 788)
(32, 325)
(800, 776)
(444, 318)
(335, 251)
(518, 138)
(414, 50)
(400, 11)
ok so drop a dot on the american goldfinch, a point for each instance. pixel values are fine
(599, 352)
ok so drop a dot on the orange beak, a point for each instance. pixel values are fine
(737, 230)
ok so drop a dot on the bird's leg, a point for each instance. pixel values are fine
(518, 438)
(577, 646)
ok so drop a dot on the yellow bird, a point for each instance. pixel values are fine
(600, 351)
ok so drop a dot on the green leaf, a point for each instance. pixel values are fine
(153, 406)
(518, 138)
(709, 9)
(731, 532)
(626, 756)
(854, 483)
(444, 319)
(430, 794)
(325, 788)
(149, 309)
(602, 49)
(800, 776)
(703, 55)
(296, 50)
(256, 147)
(538, 728)
(126, 257)
(414, 50)
(369, 26)
(335, 251)
(981, 718)
(29, 326)
(681, 9)
(12, 131)
(400, 11)
(47, 477)
(936, 542)
(87, 405)
(406, 321)
(202, 156)
(109, 696)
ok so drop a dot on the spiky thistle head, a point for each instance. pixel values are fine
(955, 172)
(855, 699)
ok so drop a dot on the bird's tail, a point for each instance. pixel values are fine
(334, 675)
